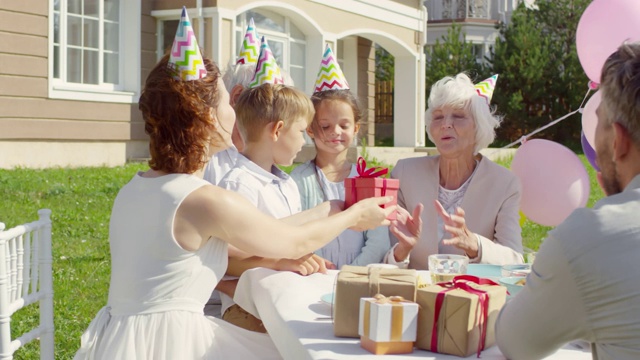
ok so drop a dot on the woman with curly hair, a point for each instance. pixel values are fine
(170, 228)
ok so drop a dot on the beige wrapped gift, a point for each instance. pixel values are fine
(355, 282)
(464, 313)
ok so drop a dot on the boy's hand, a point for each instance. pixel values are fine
(306, 265)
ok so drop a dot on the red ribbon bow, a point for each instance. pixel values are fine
(363, 172)
(460, 282)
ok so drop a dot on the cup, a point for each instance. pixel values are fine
(444, 267)
(521, 270)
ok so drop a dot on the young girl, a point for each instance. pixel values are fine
(333, 129)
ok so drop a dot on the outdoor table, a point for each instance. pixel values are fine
(300, 323)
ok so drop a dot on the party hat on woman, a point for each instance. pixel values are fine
(185, 58)
(267, 70)
(485, 87)
(330, 76)
(250, 49)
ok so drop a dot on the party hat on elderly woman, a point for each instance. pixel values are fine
(185, 58)
(250, 49)
(485, 87)
(330, 76)
(267, 70)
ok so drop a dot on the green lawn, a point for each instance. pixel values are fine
(80, 200)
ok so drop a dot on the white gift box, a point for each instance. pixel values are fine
(391, 319)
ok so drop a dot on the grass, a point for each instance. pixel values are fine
(81, 200)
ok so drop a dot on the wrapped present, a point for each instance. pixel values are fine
(459, 317)
(388, 325)
(368, 184)
(355, 282)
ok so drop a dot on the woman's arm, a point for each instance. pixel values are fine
(506, 246)
(212, 211)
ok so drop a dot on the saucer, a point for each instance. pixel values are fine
(327, 298)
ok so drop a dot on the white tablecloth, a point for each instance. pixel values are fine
(301, 327)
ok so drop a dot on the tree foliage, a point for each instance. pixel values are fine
(540, 75)
(451, 56)
(384, 64)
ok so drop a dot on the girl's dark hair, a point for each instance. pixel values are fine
(177, 117)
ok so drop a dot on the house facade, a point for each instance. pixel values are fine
(478, 20)
(71, 71)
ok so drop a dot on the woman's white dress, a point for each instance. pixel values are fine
(158, 290)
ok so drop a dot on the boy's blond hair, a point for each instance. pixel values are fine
(269, 103)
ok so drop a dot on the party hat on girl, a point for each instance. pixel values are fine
(185, 58)
(485, 87)
(267, 70)
(330, 76)
(250, 49)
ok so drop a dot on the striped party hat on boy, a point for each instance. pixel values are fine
(186, 59)
(330, 76)
(485, 87)
(267, 70)
(250, 49)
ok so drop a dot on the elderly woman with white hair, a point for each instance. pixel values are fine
(472, 204)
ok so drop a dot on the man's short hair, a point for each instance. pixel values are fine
(620, 87)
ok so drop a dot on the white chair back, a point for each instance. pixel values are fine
(26, 278)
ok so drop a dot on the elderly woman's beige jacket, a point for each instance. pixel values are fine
(491, 204)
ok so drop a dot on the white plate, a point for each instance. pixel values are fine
(327, 298)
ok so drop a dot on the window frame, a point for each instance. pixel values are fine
(128, 88)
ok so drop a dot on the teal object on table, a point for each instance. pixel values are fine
(485, 270)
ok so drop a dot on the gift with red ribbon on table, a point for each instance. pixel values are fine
(388, 325)
(369, 183)
(458, 317)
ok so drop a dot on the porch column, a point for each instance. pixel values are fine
(409, 102)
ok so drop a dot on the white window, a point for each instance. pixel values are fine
(95, 50)
(286, 40)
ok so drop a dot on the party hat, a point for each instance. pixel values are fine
(330, 76)
(250, 49)
(267, 70)
(185, 58)
(485, 88)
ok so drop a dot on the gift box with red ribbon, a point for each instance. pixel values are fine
(387, 325)
(458, 317)
(368, 184)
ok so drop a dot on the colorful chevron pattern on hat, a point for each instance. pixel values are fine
(250, 49)
(485, 88)
(330, 76)
(267, 70)
(186, 59)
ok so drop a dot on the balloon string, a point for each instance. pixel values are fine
(584, 100)
(524, 138)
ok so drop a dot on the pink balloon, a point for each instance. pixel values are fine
(604, 26)
(590, 119)
(554, 181)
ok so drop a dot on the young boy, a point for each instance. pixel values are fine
(271, 120)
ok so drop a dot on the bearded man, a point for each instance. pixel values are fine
(585, 282)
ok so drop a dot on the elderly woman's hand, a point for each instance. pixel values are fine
(407, 229)
(461, 236)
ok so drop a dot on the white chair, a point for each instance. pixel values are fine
(26, 278)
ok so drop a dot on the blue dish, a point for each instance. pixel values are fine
(511, 283)
(327, 298)
(485, 270)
